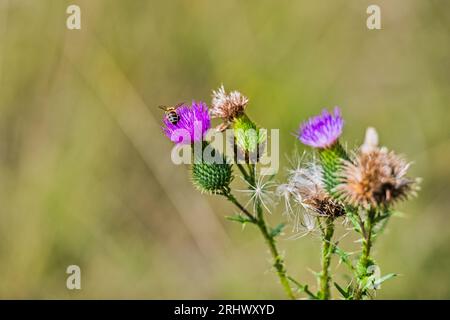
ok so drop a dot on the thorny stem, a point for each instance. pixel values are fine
(365, 260)
(327, 250)
(259, 221)
(242, 169)
(230, 197)
(278, 261)
(303, 288)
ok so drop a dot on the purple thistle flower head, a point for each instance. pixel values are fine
(192, 125)
(322, 131)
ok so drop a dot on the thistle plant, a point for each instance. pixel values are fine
(194, 121)
(215, 178)
(372, 183)
(328, 186)
(361, 187)
(322, 132)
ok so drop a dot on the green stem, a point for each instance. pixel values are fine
(259, 220)
(331, 159)
(303, 288)
(327, 250)
(242, 169)
(364, 260)
(270, 240)
(230, 197)
(278, 261)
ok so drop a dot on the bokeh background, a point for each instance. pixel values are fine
(85, 172)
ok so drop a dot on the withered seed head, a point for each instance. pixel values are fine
(228, 106)
(325, 207)
(377, 177)
(305, 186)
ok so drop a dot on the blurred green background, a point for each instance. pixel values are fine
(85, 172)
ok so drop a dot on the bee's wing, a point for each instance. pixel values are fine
(162, 108)
(178, 105)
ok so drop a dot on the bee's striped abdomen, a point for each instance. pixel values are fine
(173, 117)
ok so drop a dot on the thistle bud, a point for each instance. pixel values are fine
(211, 178)
(211, 174)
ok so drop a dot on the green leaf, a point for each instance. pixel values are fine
(239, 218)
(274, 232)
(343, 256)
(270, 177)
(303, 288)
(385, 278)
(373, 283)
(383, 216)
(350, 290)
(343, 292)
(353, 220)
(380, 223)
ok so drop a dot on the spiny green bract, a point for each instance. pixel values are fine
(331, 161)
(211, 177)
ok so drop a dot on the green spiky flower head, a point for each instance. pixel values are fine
(211, 178)
(212, 175)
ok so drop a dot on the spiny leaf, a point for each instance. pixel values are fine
(343, 256)
(277, 230)
(343, 292)
(350, 290)
(303, 288)
(383, 216)
(381, 223)
(385, 278)
(239, 218)
(373, 283)
(354, 221)
(365, 283)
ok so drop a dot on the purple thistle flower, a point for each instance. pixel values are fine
(193, 123)
(322, 131)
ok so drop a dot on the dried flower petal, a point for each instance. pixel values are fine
(228, 106)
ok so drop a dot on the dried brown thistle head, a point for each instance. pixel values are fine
(376, 177)
(227, 106)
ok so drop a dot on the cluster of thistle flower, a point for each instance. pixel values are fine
(194, 121)
(358, 187)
